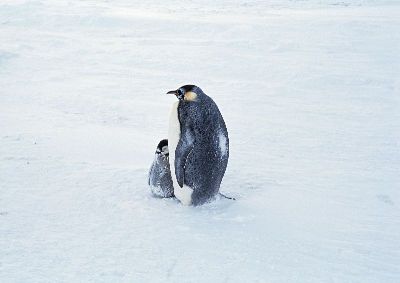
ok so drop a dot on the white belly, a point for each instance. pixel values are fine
(174, 132)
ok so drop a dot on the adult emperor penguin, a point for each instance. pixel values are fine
(160, 181)
(198, 146)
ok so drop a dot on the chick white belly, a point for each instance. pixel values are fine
(174, 132)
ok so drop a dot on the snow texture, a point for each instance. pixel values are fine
(309, 91)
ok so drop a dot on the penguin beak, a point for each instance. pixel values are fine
(177, 93)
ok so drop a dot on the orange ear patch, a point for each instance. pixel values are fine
(190, 96)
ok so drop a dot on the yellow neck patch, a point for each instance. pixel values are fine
(190, 96)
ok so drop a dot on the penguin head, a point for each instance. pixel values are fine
(162, 148)
(186, 92)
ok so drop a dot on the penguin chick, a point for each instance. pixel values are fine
(159, 180)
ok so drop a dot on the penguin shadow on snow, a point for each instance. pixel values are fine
(247, 185)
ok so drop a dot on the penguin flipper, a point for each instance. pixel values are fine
(182, 152)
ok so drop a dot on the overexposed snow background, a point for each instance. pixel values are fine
(310, 92)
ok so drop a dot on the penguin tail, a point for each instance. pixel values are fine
(222, 195)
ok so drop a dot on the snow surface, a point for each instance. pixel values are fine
(310, 94)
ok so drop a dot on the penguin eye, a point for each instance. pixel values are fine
(180, 94)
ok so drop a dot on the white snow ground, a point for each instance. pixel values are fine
(310, 94)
